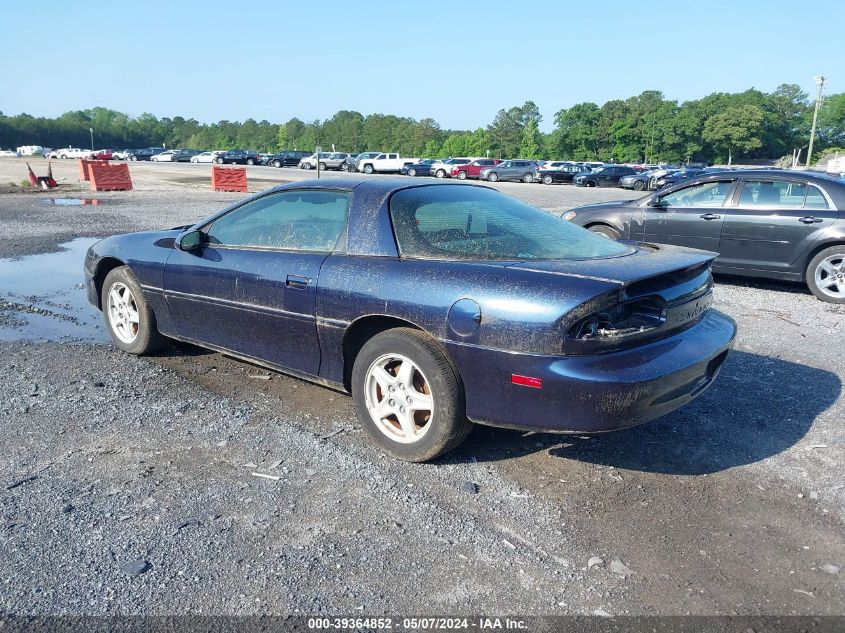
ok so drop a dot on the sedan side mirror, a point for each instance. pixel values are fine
(190, 241)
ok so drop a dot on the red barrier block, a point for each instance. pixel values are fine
(105, 177)
(228, 179)
(83, 167)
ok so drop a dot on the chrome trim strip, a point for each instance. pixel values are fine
(237, 304)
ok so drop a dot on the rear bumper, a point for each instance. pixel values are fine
(591, 394)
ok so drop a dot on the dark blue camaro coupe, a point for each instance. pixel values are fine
(434, 304)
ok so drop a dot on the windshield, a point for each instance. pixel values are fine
(475, 223)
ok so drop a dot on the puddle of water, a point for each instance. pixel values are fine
(42, 297)
(73, 202)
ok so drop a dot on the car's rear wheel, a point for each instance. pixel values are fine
(462, 175)
(409, 396)
(606, 231)
(638, 185)
(528, 178)
(412, 172)
(129, 320)
(826, 274)
(547, 180)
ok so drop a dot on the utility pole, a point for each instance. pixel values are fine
(820, 80)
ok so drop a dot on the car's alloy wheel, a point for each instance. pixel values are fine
(249, 161)
(528, 178)
(219, 161)
(547, 180)
(322, 167)
(462, 175)
(133, 158)
(440, 173)
(638, 185)
(412, 172)
(129, 319)
(493, 177)
(122, 312)
(408, 395)
(589, 183)
(368, 169)
(826, 274)
(277, 163)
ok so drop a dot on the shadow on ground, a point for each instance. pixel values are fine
(758, 407)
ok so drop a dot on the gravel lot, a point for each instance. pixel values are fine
(127, 486)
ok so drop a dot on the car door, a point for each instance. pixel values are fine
(691, 216)
(251, 286)
(773, 223)
(606, 177)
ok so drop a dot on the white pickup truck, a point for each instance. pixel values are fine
(384, 163)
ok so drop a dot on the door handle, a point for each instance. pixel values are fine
(297, 283)
(710, 216)
(810, 220)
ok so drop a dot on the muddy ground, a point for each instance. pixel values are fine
(127, 483)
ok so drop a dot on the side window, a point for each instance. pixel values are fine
(769, 194)
(815, 199)
(291, 220)
(708, 194)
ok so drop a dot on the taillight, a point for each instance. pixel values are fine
(615, 326)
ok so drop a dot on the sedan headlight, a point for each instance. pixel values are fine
(569, 215)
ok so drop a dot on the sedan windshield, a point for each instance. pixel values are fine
(475, 223)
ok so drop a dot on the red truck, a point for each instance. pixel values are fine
(473, 169)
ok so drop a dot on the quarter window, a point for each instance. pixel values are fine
(815, 199)
(290, 220)
(777, 194)
(708, 194)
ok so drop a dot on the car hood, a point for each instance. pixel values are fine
(648, 260)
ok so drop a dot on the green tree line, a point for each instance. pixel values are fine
(644, 128)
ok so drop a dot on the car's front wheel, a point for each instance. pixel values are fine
(219, 160)
(493, 176)
(606, 231)
(638, 185)
(412, 172)
(408, 395)
(462, 175)
(368, 169)
(250, 161)
(440, 173)
(826, 274)
(129, 319)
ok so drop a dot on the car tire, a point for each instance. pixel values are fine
(368, 169)
(412, 172)
(493, 176)
(219, 160)
(547, 180)
(605, 231)
(462, 175)
(133, 158)
(526, 178)
(590, 183)
(250, 161)
(638, 185)
(322, 167)
(129, 319)
(434, 381)
(277, 163)
(825, 272)
(440, 173)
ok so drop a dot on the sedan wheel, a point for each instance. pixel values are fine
(638, 185)
(408, 395)
(412, 172)
(826, 274)
(129, 319)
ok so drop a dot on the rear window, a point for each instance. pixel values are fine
(474, 223)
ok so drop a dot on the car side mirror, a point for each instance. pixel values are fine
(655, 201)
(190, 241)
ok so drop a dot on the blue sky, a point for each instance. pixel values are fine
(460, 64)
